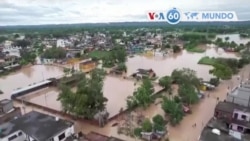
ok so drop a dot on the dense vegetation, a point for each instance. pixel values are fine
(188, 93)
(54, 53)
(88, 100)
(224, 68)
(142, 97)
(27, 56)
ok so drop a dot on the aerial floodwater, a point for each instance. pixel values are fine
(117, 89)
(234, 37)
(26, 76)
(165, 66)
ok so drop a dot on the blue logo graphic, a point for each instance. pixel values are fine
(173, 16)
(192, 15)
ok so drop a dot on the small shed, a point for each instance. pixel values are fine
(5, 106)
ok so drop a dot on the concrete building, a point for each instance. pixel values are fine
(240, 95)
(214, 132)
(237, 117)
(60, 43)
(35, 126)
(8, 111)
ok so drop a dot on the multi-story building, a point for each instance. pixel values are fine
(237, 117)
(35, 126)
(231, 122)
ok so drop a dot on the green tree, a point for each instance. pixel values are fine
(174, 110)
(67, 99)
(119, 54)
(54, 53)
(221, 71)
(2, 39)
(108, 61)
(16, 36)
(88, 99)
(147, 126)
(159, 123)
(142, 96)
(165, 82)
(158, 119)
(22, 43)
(137, 132)
(27, 56)
(66, 71)
(185, 76)
(122, 67)
(188, 93)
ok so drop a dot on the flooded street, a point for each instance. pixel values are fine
(203, 112)
(27, 76)
(165, 65)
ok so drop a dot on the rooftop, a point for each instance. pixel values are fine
(37, 125)
(93, 136)
(242, 92)
(4, 102)
(208, 135)
(230, 107)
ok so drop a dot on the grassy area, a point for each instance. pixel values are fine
(196, 49)
(207, 61)
(98, 54)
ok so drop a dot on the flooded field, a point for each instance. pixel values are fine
(234, 37)
(116, 90)
(27, 76)
(46, 97)
(165, 65)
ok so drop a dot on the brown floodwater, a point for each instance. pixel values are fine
(117, 89)
(27, 76)
(165, 65)
(234, 37)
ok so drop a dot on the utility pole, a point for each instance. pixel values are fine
(43, 76)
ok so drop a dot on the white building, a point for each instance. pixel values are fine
(60, 43)
(35, 126)
(7, 43)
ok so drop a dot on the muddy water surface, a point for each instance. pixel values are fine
(165, 65)
(27, 76)
(234, 37)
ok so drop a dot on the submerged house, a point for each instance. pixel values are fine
(142, 73)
